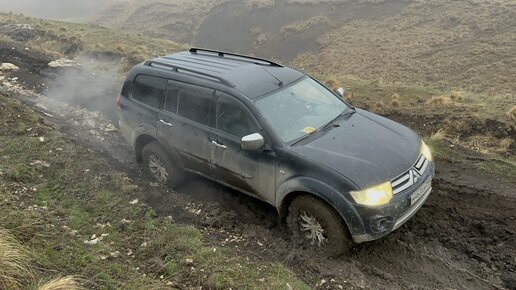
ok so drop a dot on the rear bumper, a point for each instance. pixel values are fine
(378, 222)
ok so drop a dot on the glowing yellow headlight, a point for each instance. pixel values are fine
(374, 196)
(426, 151)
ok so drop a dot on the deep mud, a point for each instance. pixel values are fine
(463, 238)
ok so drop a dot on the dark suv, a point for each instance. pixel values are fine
(338, 174)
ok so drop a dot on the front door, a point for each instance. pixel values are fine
(250, 171)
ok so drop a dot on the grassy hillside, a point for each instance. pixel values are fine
(80, 216)
(61, 39)
(461, 44)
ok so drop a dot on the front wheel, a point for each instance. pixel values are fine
(159, 165)
(317, 226)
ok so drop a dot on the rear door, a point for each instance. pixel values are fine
(184, 123)
(146, 96)
(250, 171)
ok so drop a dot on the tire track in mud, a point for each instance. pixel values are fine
(463, 238)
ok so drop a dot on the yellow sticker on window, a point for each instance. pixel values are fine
(308, 130)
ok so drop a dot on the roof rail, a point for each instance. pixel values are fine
(196, 50)
(189, 71)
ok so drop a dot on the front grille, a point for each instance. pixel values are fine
(407, 179)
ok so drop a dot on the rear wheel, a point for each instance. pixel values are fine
(317, 226)
(159, 165)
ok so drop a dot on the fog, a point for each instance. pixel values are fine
(93, 86)
(71, 10)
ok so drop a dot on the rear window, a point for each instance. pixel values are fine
(194, 104)
(149, 90)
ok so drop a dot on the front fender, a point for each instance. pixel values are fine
(325, 192)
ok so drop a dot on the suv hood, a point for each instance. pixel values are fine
(366, 148)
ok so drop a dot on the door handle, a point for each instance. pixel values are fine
(165, 122)
(219, 145)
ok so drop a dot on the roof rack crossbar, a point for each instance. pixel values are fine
(191, 71)
(223, 53)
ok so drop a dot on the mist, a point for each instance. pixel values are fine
(71, 10)
(93, 85)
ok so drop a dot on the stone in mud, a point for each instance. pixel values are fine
(63, 63)
(7, 66)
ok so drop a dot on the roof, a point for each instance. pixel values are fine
(250, 75)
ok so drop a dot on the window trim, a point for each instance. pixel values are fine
(244, 108)
(210, 108)
(178, 86)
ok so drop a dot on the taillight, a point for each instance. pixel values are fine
(117, 102)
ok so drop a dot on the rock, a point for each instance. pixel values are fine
(7, 66)
(63, 62)
(134, 201)
(40, 163)
(189, 262)
(114, 254)
(92, 242)
(110, 128)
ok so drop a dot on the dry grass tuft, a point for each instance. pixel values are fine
(395, 100)
(14, 262)
(395, 103)
(512, 114)
(333, 84)
(66, 283)
(379, 108)
(440, 101)
(439, 135)
(98, 46)
(505, 144)
(457, 96)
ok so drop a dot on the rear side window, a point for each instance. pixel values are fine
(194, 104)
(149, 90)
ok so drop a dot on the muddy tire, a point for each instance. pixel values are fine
(160, 166)
(316, 226)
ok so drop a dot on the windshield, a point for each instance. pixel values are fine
(300, 109)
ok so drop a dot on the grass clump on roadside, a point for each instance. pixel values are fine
(79, 216)
(14, 262)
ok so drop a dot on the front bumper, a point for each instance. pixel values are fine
(378, 222)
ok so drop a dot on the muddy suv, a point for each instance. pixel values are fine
(337, 174)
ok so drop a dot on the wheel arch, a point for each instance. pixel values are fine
(307, 186)
(140, 143)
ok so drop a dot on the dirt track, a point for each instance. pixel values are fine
(463, 238)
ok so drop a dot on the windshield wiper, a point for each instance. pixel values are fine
(330, 124)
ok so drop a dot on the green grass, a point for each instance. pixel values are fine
(54, 210)
(494, 165)
(498, 166)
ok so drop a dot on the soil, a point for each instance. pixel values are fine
(463, 238)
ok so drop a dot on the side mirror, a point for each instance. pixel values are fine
(252, 142)
(340, 91)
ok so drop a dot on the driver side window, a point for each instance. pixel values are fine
(232, 119)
